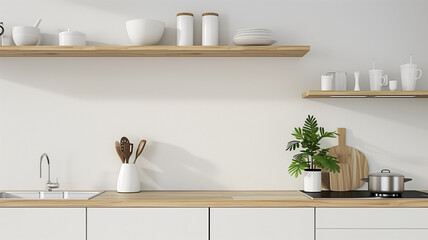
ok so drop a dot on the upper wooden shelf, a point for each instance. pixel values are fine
(365, 94)
(154, 51)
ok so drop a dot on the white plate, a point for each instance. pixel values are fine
(254, 37)
(253, 29)
(252, 34)
(253, 42)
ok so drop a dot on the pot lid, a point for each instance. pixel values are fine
(69, 32)
(385, 173)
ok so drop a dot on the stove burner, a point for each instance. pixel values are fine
(364, 194)
(386, 195)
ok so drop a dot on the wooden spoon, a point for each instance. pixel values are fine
(140, 149)
(127, 151)
(119, 152)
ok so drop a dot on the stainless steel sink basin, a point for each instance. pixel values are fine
(48, 195)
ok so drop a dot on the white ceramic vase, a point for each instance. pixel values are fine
(312, 180)
(128, 180)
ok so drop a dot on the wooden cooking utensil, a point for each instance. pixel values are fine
(119, 152)
(127, 151)
(353, 167)
(122, 141)
(140, 149)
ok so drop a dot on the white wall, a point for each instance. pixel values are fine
(211, 123)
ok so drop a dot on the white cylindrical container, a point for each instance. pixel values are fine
(128, 180)
(185, 29)
(72, 38)
(312, 180)
(326, 83)
(210, 29)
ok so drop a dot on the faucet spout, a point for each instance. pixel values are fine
(49, 166)
(49, 185)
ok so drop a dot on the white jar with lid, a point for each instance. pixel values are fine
(72, 38)
(210, 29)
(184, 29)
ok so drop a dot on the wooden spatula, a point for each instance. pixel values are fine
(119, 152)
(140, 149)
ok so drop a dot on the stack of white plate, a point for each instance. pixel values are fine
(253, 37)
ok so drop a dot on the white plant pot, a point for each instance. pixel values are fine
(312, 180)
(128, 180)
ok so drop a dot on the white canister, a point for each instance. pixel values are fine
(326, 83)
(72, 38)
(184, 29)
(210, 29)
(312, 180)
(128, 180)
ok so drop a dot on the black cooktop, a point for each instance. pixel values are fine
(361, 194)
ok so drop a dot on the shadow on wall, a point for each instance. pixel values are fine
(157, 78)
(166, 166)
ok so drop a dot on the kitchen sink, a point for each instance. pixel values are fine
(48, 195)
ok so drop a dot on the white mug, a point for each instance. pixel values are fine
(409, 75)
(393, 85)
(326, 83)
(377, 79)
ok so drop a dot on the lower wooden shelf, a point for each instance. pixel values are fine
(364, 94)
(154, 51)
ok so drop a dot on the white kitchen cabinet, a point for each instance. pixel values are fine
(371, 223)
(372, 218)
(262, 223)
(43, 223)
(147, 223)
(371, 234)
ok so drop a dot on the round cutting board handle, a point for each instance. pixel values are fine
(342, 136)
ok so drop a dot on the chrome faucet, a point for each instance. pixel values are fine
(49, 185)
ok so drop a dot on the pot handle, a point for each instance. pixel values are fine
(407, 179)
(367, 180)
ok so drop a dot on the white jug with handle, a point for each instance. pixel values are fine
(409, 74)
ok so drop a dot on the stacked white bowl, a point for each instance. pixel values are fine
(253, 37)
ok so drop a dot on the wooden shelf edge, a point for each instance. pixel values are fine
(154, 51)
(364, 94)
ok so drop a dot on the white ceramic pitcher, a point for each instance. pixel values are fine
(409, 74)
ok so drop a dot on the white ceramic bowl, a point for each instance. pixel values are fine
(25, 35)
(145, 31)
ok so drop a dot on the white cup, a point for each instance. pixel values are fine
(377, 79)
(326, 83)
(409, 75)
(393, 85)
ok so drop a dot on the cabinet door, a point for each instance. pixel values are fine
(148, 223)
(262, 223)
(371, 234)
(43, 223)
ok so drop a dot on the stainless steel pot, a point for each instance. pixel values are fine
(386, 183)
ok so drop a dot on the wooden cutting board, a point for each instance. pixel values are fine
(353, 166)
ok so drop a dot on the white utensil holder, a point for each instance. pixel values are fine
(128, 180)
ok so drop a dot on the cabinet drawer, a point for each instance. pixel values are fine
(262, 223)
(371, 218)
(147, 223)
(371, 234)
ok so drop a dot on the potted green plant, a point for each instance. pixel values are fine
(311, 158)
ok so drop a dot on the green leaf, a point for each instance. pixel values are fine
(327, 162)
(298, 165)
(292, 145)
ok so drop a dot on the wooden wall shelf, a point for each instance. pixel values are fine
(364, 94)
(154, 51)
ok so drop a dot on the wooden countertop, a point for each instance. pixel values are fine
(213, 199)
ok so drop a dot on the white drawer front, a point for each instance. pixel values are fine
(262, 224)
(371, 234)
(371, 218)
